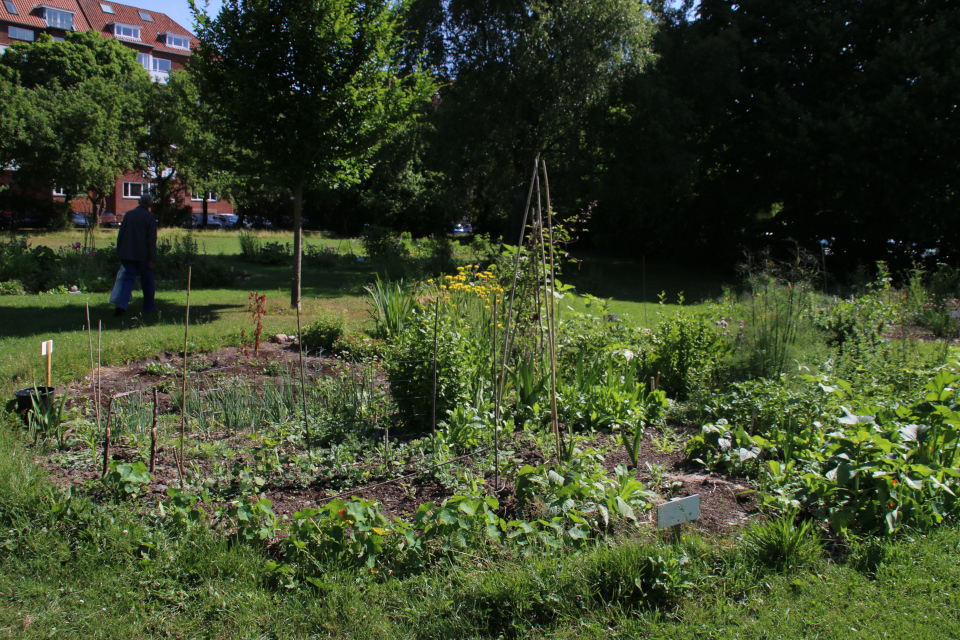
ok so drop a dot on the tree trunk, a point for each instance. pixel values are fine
(297, 241)
(204, 221)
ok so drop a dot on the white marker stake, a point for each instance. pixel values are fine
(676, 512)
(46, 349)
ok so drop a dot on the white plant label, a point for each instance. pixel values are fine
(46, 347)
(955, 314)
(678, 511)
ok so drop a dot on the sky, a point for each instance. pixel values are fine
(179, 10)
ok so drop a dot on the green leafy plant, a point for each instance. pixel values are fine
(392, 305)
(782, 545)
(127, 479)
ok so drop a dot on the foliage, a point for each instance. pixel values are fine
(325, 332)
(83, 113)
(688, 353)
(127, 479)
(308, 89)
(782, 545)
(392, 305)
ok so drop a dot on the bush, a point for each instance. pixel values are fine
(325, 332)
(411, 371)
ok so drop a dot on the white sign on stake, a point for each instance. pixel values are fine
(678, 511)
(46, 348)
(955, 314)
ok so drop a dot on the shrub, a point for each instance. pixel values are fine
(325, 332)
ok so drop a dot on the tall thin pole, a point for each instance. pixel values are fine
(436, 333)
(96, 394)
(153, 434)
(106, 439)
(496, 403)
(516, 269)
(183, 406)
(552, 322)
(303, 393)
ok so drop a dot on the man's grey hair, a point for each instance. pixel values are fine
(146, 200)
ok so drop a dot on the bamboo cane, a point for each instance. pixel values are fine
(552, 321)
(183, 407)
(303, 393)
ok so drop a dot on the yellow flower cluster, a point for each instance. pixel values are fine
(473, 282)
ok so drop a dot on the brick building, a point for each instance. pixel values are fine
(162, 47)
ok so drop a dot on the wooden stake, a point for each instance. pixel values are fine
(552, 320)
(153, 434)
(96, 395)
(303, 392)
(48, 351)
(183, 408)
(106, 439)
(496, 403)
(436, 333)
(516, 269)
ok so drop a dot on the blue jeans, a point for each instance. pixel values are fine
(131, 268)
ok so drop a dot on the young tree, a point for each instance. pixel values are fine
(309, 87)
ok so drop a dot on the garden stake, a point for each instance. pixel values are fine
(47, 350)
(496, 404)
(90, 340)
(106, 439)
(552, 320)
(183, 408)
(516, 268)
(153, 434)
(96, 393)
(543, 268)
(303, 393)
(436, 328)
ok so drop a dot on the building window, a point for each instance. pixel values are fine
(145, 16)
(197, 196)
(60, 191)
(58, 19)
(178, 42)
(20, 34)
(134, 189)
(143, 59)
(161, 66)
(107, 8)
(10, 7)
(126, 31)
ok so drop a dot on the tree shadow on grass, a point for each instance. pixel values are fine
(26, 321)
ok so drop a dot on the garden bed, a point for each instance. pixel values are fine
(727, 503)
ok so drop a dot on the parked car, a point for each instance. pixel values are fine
(462, 228)
(79, 220)
(195, 221)
(111, 220)
(228, 220)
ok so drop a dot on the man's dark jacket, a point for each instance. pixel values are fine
(137, 238)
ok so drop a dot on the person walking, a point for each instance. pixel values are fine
(137, 250)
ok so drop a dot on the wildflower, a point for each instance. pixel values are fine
(343, 513)
(891, 504)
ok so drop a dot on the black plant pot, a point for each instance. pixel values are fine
(25, 399)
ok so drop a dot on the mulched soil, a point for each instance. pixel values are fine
(726, 503)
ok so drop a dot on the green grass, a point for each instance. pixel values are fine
(74, 570)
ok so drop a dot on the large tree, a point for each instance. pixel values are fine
(81, 117)
(840, 119)
(520, 77)
(309, 87)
